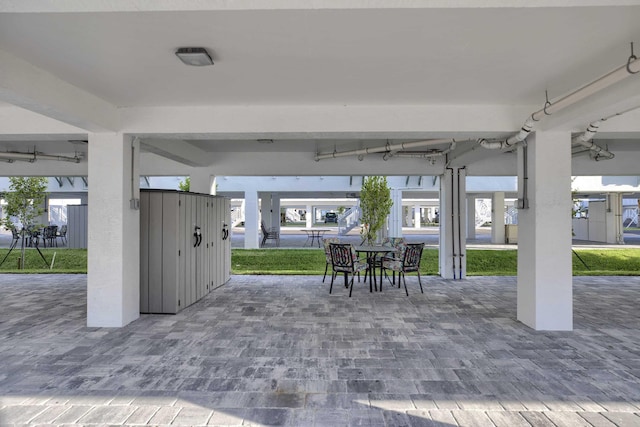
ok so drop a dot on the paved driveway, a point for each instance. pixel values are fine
(274, 350)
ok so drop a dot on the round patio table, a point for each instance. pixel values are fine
(371, 252)
(314, 234)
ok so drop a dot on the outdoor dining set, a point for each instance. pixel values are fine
(393, 255)
(49, 235)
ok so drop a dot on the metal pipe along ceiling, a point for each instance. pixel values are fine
(382, 149)
(32, 157)
(615, 76)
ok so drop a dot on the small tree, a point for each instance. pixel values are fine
(24, 203)
(375, 205)
(185, 185)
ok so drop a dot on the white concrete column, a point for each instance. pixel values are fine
(613, 219)
(309, 217)
(201, 181)
(113, 280)
(251, 220)
(417, 210)
(545, 295)
(471, 217)
(275, 211)
(395, 217)
(453, 264)
(497, 218)
(265, 208)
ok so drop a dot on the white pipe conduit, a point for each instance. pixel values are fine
(32, 157)
(586, 141)
(428, 155)
(613, 77)
(382, 149)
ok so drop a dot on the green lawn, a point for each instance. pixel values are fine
(66, 261)
(480, 262)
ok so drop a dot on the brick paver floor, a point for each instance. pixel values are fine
(276, 350)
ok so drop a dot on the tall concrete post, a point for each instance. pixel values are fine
(497, 218)
(471, 217)
(251, 219)
(113, 280)
(395, 217)
(201, 181)
(545, 294)
(309, 217)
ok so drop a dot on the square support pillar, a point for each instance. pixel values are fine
(309, 217)
(453, 228)
(113, 280)
(471, 217)
(395, 217)
(497, 218)
(417, 216)
(613, 219)
(251, 220)
(201, 181)
(275, 211)
(545, 283)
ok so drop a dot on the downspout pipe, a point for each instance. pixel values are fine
(631, 67)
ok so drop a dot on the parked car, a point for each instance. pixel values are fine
(331, 217)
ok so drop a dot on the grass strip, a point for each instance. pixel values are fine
(66, 261)
(480, 262)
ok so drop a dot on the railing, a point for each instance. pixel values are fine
(237, 215)
(348, 220)
(630, 217)
(293, 215)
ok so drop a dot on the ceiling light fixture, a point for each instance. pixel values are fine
(265, 141)
(195, 56)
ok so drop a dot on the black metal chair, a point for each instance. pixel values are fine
(269, 234)
(49, 235)
(327, 253)
(344, 259)
(62, 234)
(410, 262)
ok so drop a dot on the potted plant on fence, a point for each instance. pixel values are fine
(375, 206)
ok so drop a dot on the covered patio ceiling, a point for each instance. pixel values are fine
(285, 69)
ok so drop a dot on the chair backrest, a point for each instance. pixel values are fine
(50, 231)
(63, 230)
(327, 250)
(393, 241)
(14, 233)
(264, 227)
(412, 256)
(342, 257)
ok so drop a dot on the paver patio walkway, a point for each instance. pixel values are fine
(274, 350)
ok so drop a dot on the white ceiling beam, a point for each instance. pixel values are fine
(178, 151)
(18, 124)
(324, 121)
(29, 87)
(62, 6)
